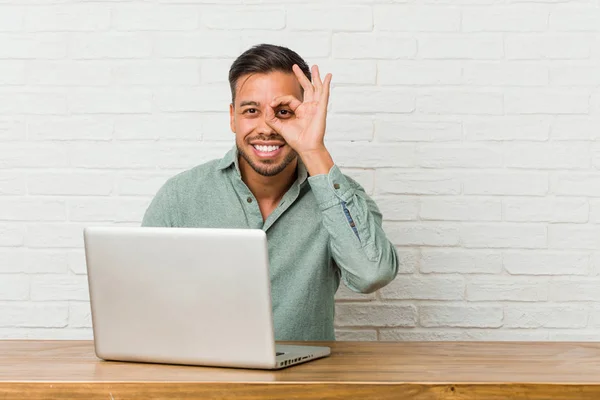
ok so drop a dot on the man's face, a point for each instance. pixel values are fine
(259, 145)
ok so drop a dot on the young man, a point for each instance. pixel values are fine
(320, 224)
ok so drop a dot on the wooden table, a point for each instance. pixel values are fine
(355, 370)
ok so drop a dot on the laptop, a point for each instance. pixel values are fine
(185, 296)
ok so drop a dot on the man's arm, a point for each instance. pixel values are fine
(160, 212)
(359, 246)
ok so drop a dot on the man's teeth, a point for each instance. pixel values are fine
(266, 149)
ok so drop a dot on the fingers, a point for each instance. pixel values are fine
(304, 82)
(316, 79)
(288, 100)
(326, 90)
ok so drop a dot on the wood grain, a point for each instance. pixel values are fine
(373, 370)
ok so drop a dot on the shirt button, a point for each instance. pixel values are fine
(249, 199)
(336, 185)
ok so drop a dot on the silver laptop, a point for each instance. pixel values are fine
(185, 296)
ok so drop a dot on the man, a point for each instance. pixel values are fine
(320, 224)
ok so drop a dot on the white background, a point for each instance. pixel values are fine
(473, 123)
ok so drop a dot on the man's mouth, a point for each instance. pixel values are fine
(267, 150)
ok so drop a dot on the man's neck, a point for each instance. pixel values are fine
(268, 189)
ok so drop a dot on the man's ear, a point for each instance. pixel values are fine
(232, 117)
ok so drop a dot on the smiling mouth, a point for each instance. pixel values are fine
(267, 151)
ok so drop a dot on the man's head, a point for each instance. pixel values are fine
(256, 77)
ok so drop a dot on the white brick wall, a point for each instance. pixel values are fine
(473, 124)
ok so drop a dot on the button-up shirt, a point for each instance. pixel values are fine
(325, 228)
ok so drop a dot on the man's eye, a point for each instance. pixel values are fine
(285, 113)
(250, 110)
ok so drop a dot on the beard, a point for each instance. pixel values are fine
(267, 167)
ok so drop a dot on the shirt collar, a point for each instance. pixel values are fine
(231, 157)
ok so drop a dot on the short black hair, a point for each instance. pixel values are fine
(264, 58)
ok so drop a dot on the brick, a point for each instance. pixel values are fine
(425, 288)
(547, 46)
(80, 315)
(384, 315)
(503, 183)
(576, 184)
(546, 210)
(33, 46)
(372, 155)
(188, 126)
(32, 155)
(197, 45)
(345, 294)
(12, 128)
(76, 262)
(110, 101)
(12, 260)
(215, 70)
(163, 72)
(391, 128)
(140, 183)
(575, 75)
(458, 156)
(373, 46)
(505, 74)
(54, 235)
(59, 287)
(364, 177)
(107, 209)
(570, 236)
(246, 17)
(186, 156)
(546, 263)
(12, 183)
(71, 17)
(69, 73)
(11, 18)
(542, 316)
(572, 335)
(14, 287)
(398, 208)
(209, 98)
(460, 316)
(401, 182)
(547, 156)
(460, 209)
(329, 18)
(408, 260)
(46, 261)
(371, 100)
(462, 334)
(460, 102)
(356, 335)
(343, 127)
(461, 46)
(111, 45)
(308, 44)
(504, 236)
(47, 333)
(33, 103)
(546, 102)
(594, 321)
(113, 155)
(501, 128)
(355, 72)
(596, 156)
(595, 104)
(42, 128)
(416, 18)
(31, 209)
(508, 289)
(575, 128)
(34, 315)
(419, 72)
(422, 234)
(568, 18)
(451, 261)
(150, 17)
(12, 72)
(574, 289)
(594, 208)
(70, 183)
(517, 18)
(215, 127)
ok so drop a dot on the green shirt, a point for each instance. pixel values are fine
(324, 228)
